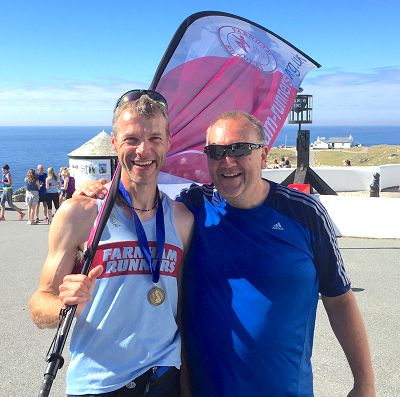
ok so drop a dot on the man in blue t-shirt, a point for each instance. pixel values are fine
(260, 255)
(41, 175)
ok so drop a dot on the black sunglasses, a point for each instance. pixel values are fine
(237, 149)
(133, 95)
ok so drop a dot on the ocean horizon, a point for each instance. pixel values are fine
(26, 147)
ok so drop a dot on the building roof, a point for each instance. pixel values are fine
(338, 139)
(99, 146)
(335, 139)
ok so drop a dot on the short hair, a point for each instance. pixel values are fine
(144, 107)
(6, 167)
(240, 115)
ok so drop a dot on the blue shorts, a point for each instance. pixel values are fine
(43, 198)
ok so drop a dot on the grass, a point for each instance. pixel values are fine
(359, 156)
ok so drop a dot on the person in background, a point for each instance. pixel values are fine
(6, 181)
(60, 185)
(275, 164)
(287, 164)
(68, 186)
(347, 163)
(52, 192)
(41, 175)
(32, 195)
(126, 340)
(282, 163)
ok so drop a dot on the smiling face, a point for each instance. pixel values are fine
(238, 180)
(142, 144)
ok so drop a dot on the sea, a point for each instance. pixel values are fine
(26, 147)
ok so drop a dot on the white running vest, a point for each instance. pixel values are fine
(120, 335)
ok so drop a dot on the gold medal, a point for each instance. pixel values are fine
(156, 296)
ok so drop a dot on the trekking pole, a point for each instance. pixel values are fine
(54, 358)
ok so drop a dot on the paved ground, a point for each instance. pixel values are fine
(374, 266)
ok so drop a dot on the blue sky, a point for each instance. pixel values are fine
(66, 62)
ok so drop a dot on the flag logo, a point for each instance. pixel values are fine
(241, 43)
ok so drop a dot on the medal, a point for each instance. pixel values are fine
(156, 296)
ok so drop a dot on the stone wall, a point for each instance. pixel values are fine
(19, 195)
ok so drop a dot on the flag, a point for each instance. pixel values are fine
(218, 62)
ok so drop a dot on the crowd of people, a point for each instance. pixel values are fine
(283, 163)
(47, 188)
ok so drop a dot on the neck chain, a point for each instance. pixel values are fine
(141, 209)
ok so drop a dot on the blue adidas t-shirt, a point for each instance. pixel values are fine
(250, 292)
(42, 181)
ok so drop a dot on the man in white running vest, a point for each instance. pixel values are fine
(126, 340)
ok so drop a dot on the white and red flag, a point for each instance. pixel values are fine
(218, 62)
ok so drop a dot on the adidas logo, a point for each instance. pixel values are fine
(277, 226)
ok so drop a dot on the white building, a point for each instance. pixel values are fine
(95, 159)
(333, 143)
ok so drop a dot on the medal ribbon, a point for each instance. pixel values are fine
(141, 235)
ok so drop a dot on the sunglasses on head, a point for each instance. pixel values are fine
(134, 95)
(237, 149)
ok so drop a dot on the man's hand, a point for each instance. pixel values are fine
(362, 392)
(92, 188)
(77, 289)
(359, 393)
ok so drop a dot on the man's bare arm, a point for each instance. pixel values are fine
(348, 326)
(68, 234)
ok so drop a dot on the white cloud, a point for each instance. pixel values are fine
(339, 97)
(349, 98)
(65, 103)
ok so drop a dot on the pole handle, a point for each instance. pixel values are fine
(46, 385)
